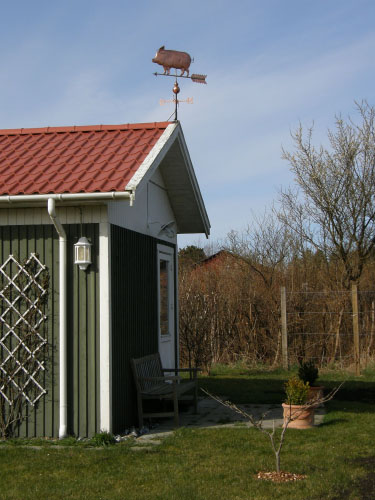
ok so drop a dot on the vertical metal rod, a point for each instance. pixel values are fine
(176, 90)
(356, 329)
(284, 332)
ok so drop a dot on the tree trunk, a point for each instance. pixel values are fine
(277, 455)
(337, 342)
(371, 340)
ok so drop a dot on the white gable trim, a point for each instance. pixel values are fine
(172, 135)
(155, 156)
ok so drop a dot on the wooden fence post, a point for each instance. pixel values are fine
(356, 329)
(284, 332)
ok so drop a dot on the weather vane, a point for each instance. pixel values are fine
(177, 60)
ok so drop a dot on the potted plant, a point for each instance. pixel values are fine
(308, 372)
(298, 413)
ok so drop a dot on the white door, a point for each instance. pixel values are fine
(166, 305)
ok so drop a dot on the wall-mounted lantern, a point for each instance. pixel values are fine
(82, 253)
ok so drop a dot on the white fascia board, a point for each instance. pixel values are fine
(194, 183)
(155, 156)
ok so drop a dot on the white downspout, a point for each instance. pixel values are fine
(63, 429)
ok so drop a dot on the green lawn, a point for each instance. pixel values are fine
(338, 457)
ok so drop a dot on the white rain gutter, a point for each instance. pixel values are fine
(63, 429)
(112, 195)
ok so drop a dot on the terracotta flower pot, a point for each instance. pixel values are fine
(302, 418)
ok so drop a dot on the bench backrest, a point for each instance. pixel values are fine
(148, 366)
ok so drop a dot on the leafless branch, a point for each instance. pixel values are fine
(271, 434)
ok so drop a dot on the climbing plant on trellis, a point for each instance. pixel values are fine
(23, 296)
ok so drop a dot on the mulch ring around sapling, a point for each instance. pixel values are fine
(280, 477)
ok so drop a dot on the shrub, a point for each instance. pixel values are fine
(308, 372)
(296, 391)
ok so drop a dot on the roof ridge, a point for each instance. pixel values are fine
(84, 128)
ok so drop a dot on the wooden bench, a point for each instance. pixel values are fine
(152, 383)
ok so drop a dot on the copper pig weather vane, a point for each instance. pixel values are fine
(177, 60)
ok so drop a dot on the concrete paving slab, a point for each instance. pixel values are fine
(212, 414)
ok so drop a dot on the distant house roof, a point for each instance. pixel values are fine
(74, 159)
(101, 159)
(219, 258)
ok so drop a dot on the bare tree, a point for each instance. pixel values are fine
(195, 319)
(333, 206)
(266, 248)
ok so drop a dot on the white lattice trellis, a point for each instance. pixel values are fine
(22, 296)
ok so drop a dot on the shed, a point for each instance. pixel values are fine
(129, 189)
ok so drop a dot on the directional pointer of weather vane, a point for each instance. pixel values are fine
(177, 60)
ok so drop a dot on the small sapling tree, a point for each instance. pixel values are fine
(275, 438)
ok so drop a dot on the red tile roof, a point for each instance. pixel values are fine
(88, 159)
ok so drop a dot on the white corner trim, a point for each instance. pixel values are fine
(177, 307)
(105, 329)
(154, 157)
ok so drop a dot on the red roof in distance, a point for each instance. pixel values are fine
(84, 159)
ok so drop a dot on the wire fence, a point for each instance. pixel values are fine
(329, 327)
(232, 318)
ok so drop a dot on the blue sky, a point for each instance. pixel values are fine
(270, 64)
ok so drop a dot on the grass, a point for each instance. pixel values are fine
(338, 457)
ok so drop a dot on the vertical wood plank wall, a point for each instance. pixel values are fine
(20, 241)
(134, 315)
(134, 292)
(83, 328)
(83, 335)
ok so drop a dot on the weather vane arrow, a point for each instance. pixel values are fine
(177, 60)
(194, 77)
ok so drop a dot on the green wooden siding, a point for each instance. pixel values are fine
(134, 315)
(83, 328)
(83, 336)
